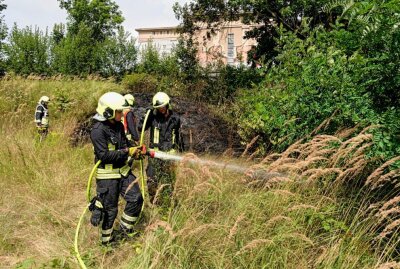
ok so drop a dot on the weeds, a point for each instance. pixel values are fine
(319, 204)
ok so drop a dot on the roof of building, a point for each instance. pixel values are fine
(156, 28)
(202, 26)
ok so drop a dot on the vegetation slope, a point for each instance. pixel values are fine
(316, 205)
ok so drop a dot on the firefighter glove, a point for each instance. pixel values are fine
(135, 152)
(96, 207)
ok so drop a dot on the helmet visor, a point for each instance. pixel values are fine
(159, 104)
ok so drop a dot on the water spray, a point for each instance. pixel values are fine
(253, 173)
(176, 158)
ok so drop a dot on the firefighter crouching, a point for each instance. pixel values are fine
(165, 136)
(114, 176)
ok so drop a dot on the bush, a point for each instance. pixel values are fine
(223, 81)
(172, 86)
(328, 81)
(140, 83)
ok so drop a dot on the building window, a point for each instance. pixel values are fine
(153, 33)
(231, 49)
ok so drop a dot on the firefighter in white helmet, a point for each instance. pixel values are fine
(42, 115)
(114, 176)
(130, 121)
(165, 136)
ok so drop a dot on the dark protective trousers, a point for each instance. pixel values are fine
(111, 189)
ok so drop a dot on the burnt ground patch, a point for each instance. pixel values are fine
(203, 131)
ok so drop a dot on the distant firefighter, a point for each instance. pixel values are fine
(42, 116)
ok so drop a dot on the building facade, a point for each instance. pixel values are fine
(164, 39)
(227, 45)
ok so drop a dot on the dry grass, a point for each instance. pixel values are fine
(284, 213)
(317, 160)
(302, 206)
(375, 177)
(42, 185)
(277, 219)
(254, 244)
(388, 265)
(159, 192)
(167, 227)
(249, 145)
(200, 229)
(234, 229)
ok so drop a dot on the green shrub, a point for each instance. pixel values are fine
(171, 85)
(301, 92)
(330, 80)
(223, 81)
(140, 82)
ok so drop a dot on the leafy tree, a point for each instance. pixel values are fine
(91, 30)
(152, 62)
(78, 54)
(58, 33)
(3, 35)
(28, 51)
(186, 53)
(101, 16)
(119, 55)
(265, 14)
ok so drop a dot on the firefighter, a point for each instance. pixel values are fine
(130, 122)
(42, 116)
(165, 136)
(114, 176)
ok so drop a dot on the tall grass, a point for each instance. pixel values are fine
(315, 205)
(309, 207)
(42, 185)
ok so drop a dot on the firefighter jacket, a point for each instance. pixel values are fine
(130, 125)
(110, 144)
(164, 132)
(42, 115)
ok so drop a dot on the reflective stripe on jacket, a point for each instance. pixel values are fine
(110, 173)
(164, 132)
(42, 115)
(110, 143)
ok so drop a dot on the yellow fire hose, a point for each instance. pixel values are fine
(141, 143)
(88, 196)
(89, 184)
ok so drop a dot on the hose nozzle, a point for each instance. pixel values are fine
(145, 152)
(151, 153)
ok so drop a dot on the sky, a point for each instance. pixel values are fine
(45, 13)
